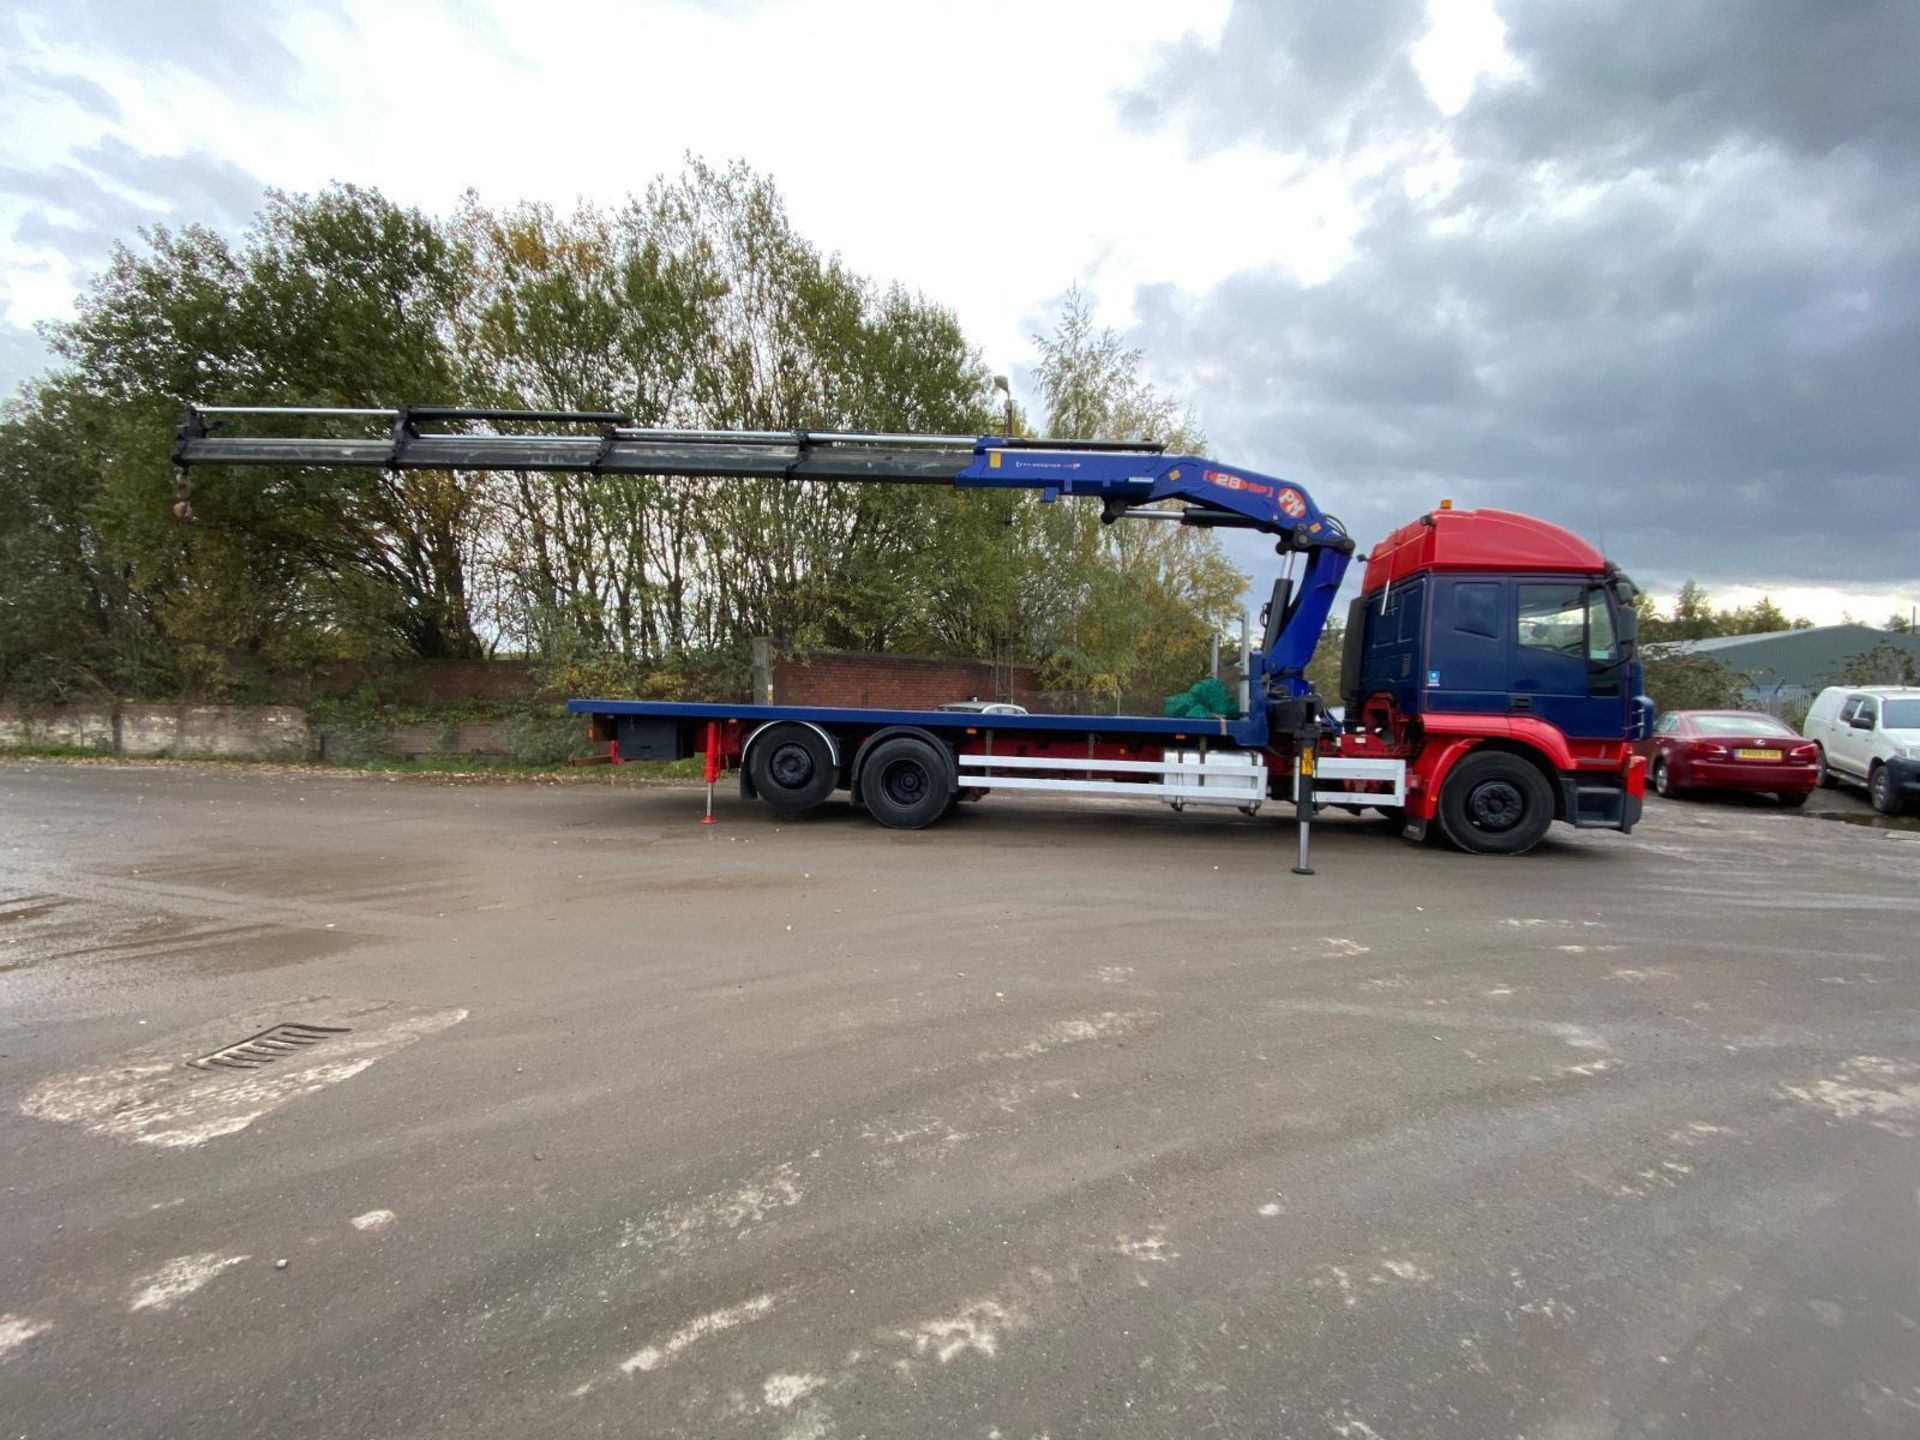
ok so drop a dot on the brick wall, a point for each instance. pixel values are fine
(894, 682)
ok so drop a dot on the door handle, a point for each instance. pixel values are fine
(1520, 702)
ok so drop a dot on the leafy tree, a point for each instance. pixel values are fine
(341, 299)
(696, 304)
(1763, 617)
(1677, 680)
(1124, 611)
(1884, 664)
(1693, 616)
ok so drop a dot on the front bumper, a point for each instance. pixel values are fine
(1905, 775)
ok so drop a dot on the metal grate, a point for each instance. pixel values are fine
(288, 1038)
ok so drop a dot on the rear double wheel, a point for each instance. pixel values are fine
(1494, 803)
(906, 783)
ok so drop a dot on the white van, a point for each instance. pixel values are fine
(1869, 735)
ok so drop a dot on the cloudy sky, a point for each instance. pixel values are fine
(1648, 269)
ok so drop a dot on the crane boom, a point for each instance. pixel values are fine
(1133, 480)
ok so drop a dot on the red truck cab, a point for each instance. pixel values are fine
(1495, 654)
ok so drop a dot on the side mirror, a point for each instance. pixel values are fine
(1628, 625)
(1861, 722)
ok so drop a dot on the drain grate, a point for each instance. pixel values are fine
(269, 1045)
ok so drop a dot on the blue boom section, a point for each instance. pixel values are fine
(1216, 496)
(1250, 732)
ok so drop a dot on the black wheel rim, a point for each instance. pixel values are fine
(1495, 806)
(791, 766)
(904, 782)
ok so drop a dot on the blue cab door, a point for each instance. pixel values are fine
(1545, 648)
(1564, 664)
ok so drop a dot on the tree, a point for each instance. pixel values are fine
(1884, 664)
(1693, 615)
(342, 298)
(696, 304)
(1763, 617)
(1899, 624)
(1126, 610)
(1677, 680)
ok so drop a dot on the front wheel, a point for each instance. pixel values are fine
(1495, 803)
(1884, 794)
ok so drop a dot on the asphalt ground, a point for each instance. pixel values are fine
(1054, 1120)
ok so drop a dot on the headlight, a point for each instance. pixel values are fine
(1912, 752)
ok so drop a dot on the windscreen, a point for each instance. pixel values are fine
(1742, 725)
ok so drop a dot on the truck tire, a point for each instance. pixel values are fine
(906, 783)
(792, 768)
(1494, 803)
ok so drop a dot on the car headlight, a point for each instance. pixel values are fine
(1912, 752)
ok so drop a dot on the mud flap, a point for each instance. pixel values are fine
(1414, 830)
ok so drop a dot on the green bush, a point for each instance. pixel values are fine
(544, 739)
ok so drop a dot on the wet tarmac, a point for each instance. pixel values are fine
(344, 1106)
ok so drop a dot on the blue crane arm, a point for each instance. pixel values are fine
(1132, 480)
(1135, 484)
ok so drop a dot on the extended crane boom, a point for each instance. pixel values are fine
(1133, 480)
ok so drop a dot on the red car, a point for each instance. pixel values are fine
(1731, 750)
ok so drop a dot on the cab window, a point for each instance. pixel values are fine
(1601, 641)
(1553, 617)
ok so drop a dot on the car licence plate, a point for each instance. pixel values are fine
(1756, 754)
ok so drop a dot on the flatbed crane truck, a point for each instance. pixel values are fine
(1489, 683)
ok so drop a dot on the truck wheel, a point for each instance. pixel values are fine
(905, 783)
(1495, 804)
(792, 768)
(1884, 794)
